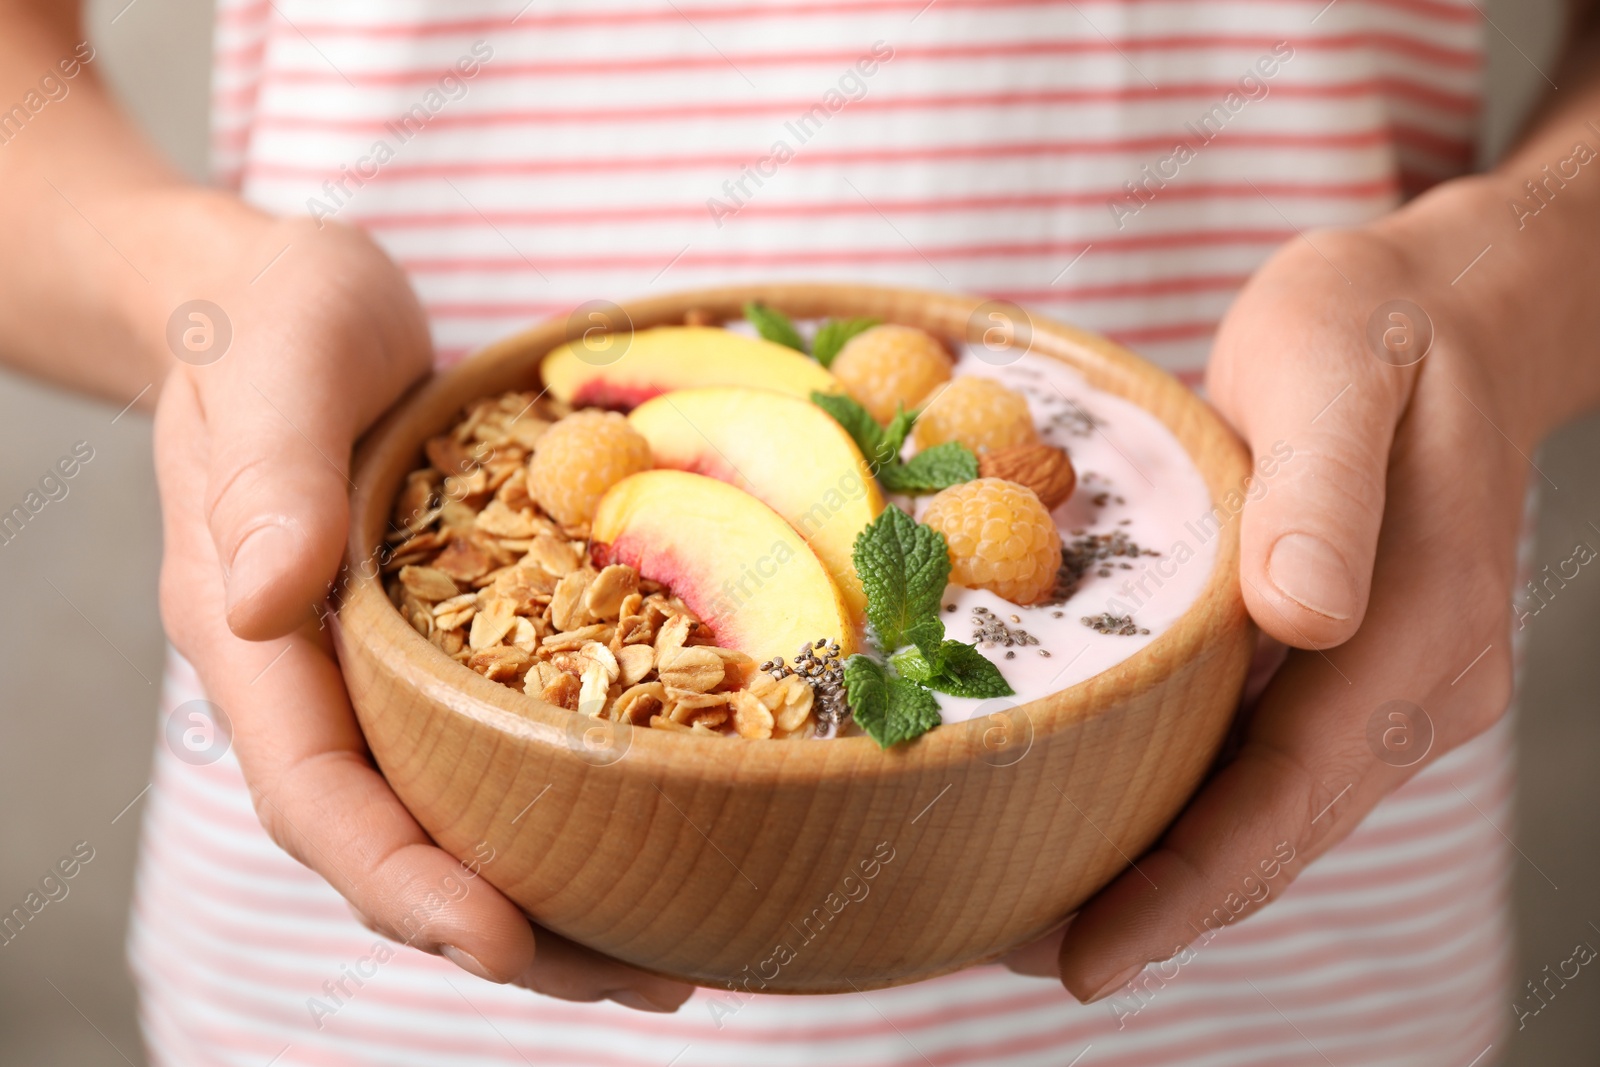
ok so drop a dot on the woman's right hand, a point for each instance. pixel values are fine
(252, 454)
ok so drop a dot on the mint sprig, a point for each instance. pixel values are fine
(877, 446)
(778, 328)
(931, 470)
(963, 671)
(904, 567)
(834, 334)
(774, 326)
(928, 471)
(895, 434)
(889, 709)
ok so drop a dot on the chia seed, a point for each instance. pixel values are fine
(1074, 420)
(819, 666)
(1095, 552)
(988, 629)
(1107, 623)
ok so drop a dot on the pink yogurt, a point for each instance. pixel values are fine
(1146, 487)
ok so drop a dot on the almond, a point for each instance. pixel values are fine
(1043, 468)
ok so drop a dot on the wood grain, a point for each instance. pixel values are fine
(747, 862)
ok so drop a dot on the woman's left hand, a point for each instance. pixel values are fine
(1382, 551)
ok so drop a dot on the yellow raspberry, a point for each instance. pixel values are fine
(889, 365)
(980, 413)
(1001, 538)
(579, 458)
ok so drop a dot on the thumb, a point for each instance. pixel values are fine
(276, 501)
(319, 352)
(1320, 430)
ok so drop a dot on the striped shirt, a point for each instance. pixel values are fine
(1120, 164)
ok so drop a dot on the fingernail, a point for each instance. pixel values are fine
(467, 962)
(631, 998)
(1122, 979)
(1309, 572)
(259, 558)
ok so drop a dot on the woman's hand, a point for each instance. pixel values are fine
(1382, 551)
(107, 249)
(252, 450)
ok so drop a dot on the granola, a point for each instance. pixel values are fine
(482, 572)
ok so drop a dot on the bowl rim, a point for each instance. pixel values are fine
(1105, 364)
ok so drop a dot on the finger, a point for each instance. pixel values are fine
(302, 751)
(1037, 959)
(1319, 413)
(1310, 769)
(285, 404)
(277, 502)
(314, 789)
(567, 970)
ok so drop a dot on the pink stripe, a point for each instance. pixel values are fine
(986, 151)
(513, 264)
(519, 309)
(1381, 188)
(532, 20)
(1412, 48)
(1462, 104)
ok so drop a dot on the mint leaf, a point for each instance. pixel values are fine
(932, 469)
(928, 471)
(833, 335)
(866, 687)
(895, 434)
(862, 427)
(962, 671)
(966, 672)
(889, 709)
(927, 636)
(904, 567)
(910, 663)
(774, 326)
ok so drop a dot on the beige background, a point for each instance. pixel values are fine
(82, 647)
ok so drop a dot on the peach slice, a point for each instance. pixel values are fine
(621, 371)
(784, 451)
(743, 570)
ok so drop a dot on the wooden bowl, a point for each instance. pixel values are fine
(817, 867)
